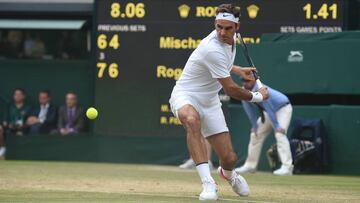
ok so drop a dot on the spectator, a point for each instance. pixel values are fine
(28, 44)
(43, 117)
(17, 114)
(34, 47)
(71, 116)
(12, 46)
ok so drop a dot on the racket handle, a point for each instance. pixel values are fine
(259, 84)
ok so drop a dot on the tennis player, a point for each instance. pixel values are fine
(195, 101)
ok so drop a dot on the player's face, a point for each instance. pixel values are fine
(226, 30)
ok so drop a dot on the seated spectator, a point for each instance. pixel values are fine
(18, 112)
(12, 45)
(43, 117)
(71, 116)
(34, 47)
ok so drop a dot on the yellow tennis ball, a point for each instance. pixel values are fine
(91, 113)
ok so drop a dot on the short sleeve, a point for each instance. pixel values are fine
(217, 64)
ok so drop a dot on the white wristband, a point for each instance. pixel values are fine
(256, 97)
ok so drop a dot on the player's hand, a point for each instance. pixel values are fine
(247, 73)
(244, 72)
(264, 92)
(281, 130)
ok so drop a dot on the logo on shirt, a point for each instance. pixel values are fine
(296, 56)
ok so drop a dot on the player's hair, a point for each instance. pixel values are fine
(229, 8)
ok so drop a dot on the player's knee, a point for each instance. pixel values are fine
(230, 159)
(191, 121)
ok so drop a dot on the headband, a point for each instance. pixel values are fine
(227, 16)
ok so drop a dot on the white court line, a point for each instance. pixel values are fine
(193, 197)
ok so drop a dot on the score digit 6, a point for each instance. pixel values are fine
(103, 43)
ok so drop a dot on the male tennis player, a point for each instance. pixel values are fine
(195, 101)
(275, 114)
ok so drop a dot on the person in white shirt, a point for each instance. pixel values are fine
(195, 101)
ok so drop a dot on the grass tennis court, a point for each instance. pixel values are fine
(30, 181)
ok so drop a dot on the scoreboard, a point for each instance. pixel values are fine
(142, 47)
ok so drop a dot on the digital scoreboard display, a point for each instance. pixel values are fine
(142, 47)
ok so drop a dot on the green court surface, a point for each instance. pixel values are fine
(40, 182)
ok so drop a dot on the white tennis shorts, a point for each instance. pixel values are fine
(211, 115)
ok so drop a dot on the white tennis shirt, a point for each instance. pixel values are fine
(211, 60)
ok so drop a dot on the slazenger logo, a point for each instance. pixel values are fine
(295, 56)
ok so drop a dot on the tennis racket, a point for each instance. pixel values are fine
(250, 61)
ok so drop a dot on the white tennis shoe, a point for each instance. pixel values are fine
(237, 182)
(284, 171)
(209, 191)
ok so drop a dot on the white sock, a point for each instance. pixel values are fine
(228, 174)
(204, 172)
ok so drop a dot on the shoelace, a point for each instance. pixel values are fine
(233, 181)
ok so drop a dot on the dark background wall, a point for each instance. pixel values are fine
(59, 76)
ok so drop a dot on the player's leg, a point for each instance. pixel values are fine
(283, 146)
(189, 164)
(190, 119)
(209, 153)
(255, 145)
(215, 130)
(221, 143)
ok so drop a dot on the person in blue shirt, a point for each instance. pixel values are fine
(275, 115)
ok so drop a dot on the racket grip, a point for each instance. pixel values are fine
(259, 84)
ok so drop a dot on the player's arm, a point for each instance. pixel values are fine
(216, 62)
(239, 93)
(244, 72)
